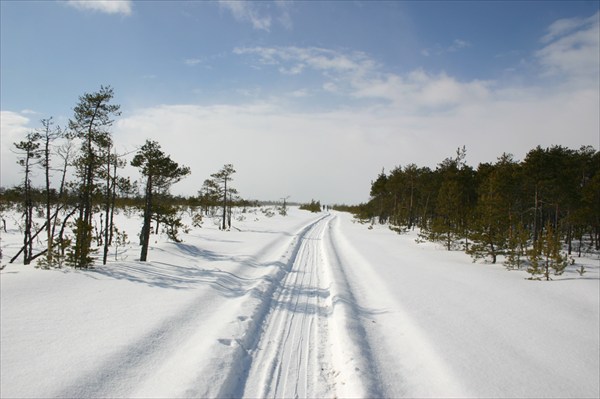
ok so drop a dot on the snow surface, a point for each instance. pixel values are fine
(308, 305)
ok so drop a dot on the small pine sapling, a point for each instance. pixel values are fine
(517, 248)
(546, 255)
(535, 261)
(120, 240)
(197, 220)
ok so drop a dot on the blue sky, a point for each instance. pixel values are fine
(312, 99)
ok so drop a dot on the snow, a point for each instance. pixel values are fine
(307, 305)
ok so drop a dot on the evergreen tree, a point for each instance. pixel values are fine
(160, 172)
(453, 202)
(546, 255)
(516, 247)
(221, 178)
(314, 206)
(209, 196)
(490, 227)
(445, 225)
(380, 197)
(29, 154)
(92, 119)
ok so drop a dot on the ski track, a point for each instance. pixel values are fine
(288, 360)
(312, 342)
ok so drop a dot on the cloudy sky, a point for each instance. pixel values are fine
(308, 99)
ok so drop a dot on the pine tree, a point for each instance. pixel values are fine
(92, 119)
(490, 227)
(444, 227)
(535, 260)
(221, 178)
(29, 154)
(546, 255)
(160, 172)
(380, 197)
(454, 201)
(516, 247)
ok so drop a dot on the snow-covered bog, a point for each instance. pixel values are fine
(306, 305)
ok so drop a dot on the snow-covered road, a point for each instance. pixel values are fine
(299, 306)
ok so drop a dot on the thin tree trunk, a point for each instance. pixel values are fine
(113, 201)
(27, 240)
(107, 209)
(48, 218)
(147, 221)
(25, 245)
(535, 217)
(62, 230)
(225, 204)
(39, 231)
(61, 189)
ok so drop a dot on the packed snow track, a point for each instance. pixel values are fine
(302, 350)
(290, 359)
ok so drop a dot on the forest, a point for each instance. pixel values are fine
(537, 213)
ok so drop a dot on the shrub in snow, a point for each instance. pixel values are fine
(516, 247)
(197, 220)
(268, 212)
(314, 206)
(546, 255)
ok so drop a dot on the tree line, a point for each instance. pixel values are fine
(84, 154)
(535, 212)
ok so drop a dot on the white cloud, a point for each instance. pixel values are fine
(572, 48)
(261, 15)
(245, 11)
(294, 70)
(565, 26)
(192, 61)
(458, 44)
(360, 77)
(284, 17)
(301, 93)
(312, 57)
(123, 7)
